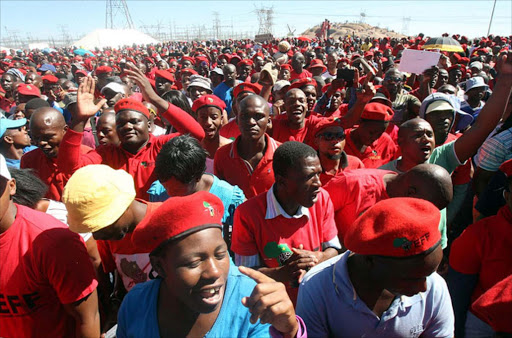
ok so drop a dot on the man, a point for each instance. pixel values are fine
(355, 191)
(14, 141)
(164, 81)
(223, 91)
(114, 91)
(244, 69)
(47, 282)
(33, 105)
(25, 93)
(101, 201)
(34, 79)
(332, 62)
(199, 86)
(290, 228)
(330, 142)
(442, 78)
(247, 162)
(106, 128)
(47, 128)
(405, 106)
(475, 92)
(298, 72)
(138, 149)
(368, 141)
(387, 284)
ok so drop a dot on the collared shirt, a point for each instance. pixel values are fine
(230, 167)
(330, 307)
(378, 153)
(140, 165)
(347, 162)
(275, 209)
(230, 130)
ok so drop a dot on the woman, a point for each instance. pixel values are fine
(197, 292)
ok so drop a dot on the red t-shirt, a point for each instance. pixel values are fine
(230, 167)
(347, 162)
(253, 234)
(353, 192)
(281, 132)
(44, 265)
(305, 73)
(46, 169)
(140, 165)
(379, 153)
(132, 265)
(461, 174)
(230, 130)
(485, 249)
(6, 104)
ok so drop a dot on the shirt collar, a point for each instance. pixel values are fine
(275, 209)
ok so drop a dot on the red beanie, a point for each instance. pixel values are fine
(179, 217)
(326, 123)
(164, 74)
(377, 112)
(131, 104)
(50, 79)
(395, 227)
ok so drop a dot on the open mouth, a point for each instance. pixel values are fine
(211, 295)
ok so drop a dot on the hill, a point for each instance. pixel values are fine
(353, 29)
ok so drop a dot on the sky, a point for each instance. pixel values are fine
(47, 19)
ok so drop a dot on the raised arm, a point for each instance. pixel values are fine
(467, 145)
(364, 94)
(177, 117)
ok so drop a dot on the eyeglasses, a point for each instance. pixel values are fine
(393, 78)
(332, 136)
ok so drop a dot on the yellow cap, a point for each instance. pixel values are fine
(438, 105)
(96, 196)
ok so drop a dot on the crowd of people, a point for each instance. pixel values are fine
(290, 188)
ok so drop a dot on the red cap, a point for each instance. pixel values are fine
(28, 90)
(131, 104)
(495, 306)
(208, 101)
(377, 112)
(178, 217)
(317, 63)
(80, 71)
(286, 66)
(188, 71)
(326, 123)
(103, 70)
(303, 82)
(247, 87)
(164, 74)
(395, 227)
(50, 79)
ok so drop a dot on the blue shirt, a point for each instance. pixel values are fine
(13, 163)
(137, 316)
(230, 195)
(224, 92)
(330, 306)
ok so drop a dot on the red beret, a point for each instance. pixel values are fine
(188, 71)
(208, 101)
(28, 90)
(103, 70)
(317, 63)
(245, 62)
(368, 53)
(164, 74)
(395, 227)
(235, 56)
(506, 168)
(131, 104)
(247, 87)
(326, 123)
(50, 79)
(178, 217)
(377, 111)
(457, 66)
(224, 56)
(286, 66)
(307, 81)
(80, 71)
(495, 306)
(188, 58)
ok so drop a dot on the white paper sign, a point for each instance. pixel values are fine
(416, 61)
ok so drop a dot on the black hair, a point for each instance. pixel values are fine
(178, 99)
(288, 155)
(183, 158)
(36, 103)
(29, 188)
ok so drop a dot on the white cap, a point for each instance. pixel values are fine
(4, 172)
(114, 86)
(280, 85)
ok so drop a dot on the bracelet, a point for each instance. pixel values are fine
(301, 332)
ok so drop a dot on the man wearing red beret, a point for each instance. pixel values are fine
(244, 69)
(285, 72)
(298, 72)
(25, 93)
(369, 141)
(330, 142)
(164, 81)
(386, 284)
(138, 149)
(247, 162)
(289, 228)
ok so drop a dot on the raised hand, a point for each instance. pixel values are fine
(141, 80)
(504, 65)
(86, 107)
(270, 303)
(366, 92)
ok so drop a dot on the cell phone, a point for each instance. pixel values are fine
(347, 75)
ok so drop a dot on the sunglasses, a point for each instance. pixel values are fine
(393, 78)
(332, 136)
